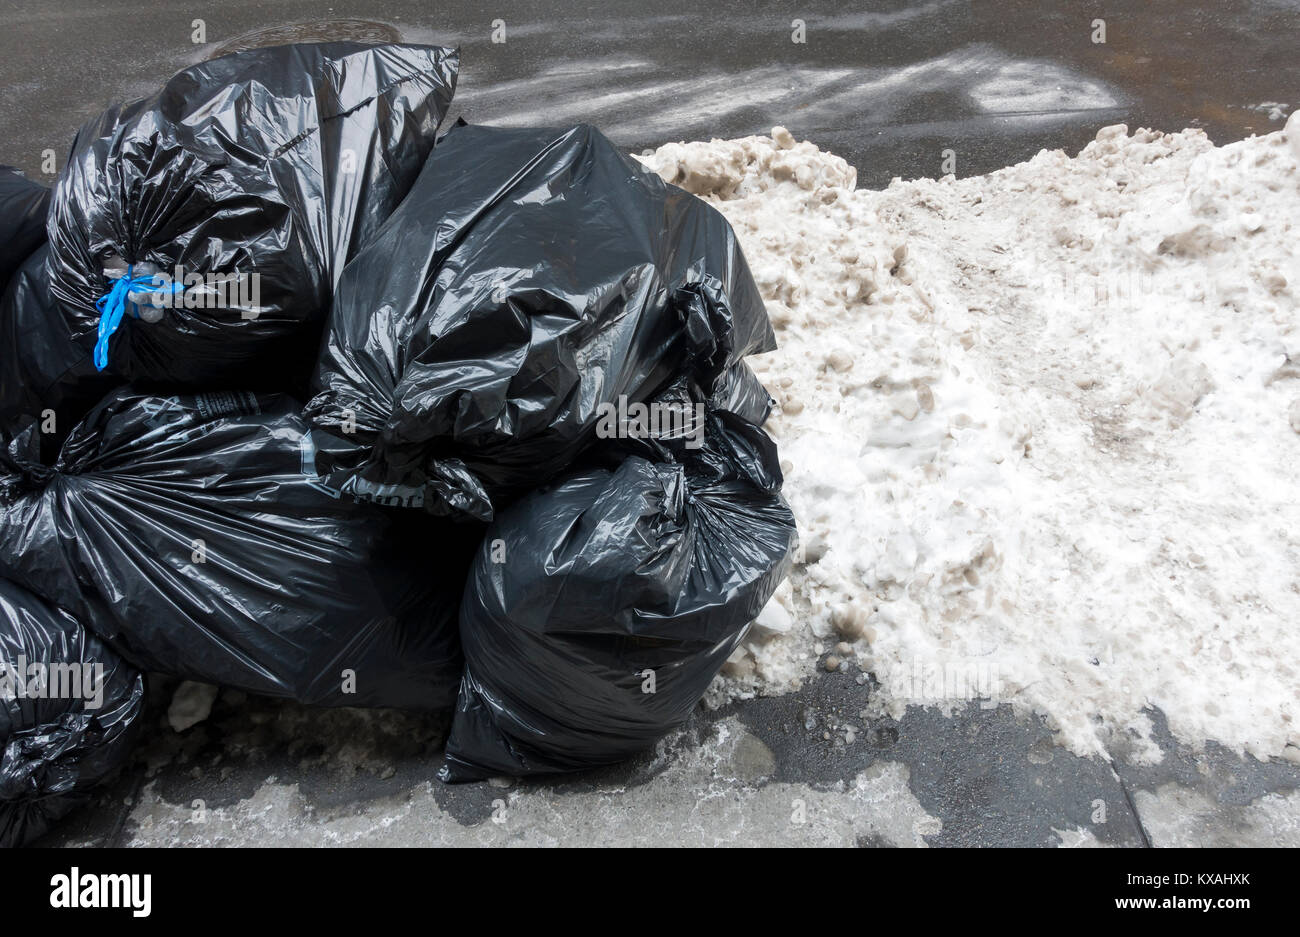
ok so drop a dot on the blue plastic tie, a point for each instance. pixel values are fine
(112, 306)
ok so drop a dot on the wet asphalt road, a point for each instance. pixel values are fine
(888, 85)
(766, 772)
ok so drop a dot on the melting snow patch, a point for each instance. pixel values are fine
(190, 705)
(1039, 426)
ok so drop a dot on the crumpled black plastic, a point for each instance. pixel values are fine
(582, 592)
(278, 162)
(55, 749)
(24, 205)
(529, 277)
(35, 333)
(193, 533)
(36, 413)
(741, 393)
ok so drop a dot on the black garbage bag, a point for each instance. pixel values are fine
(193, 533)
(259, 173)
(33, 331)
(741, 393)
(598, 610)
(33, 407)
(530, 277)
(70, 710)
(24, 206)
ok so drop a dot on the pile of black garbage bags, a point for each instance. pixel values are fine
(295, 401)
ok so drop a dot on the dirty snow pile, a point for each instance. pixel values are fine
(1041, 430)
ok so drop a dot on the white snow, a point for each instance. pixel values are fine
(1039, 426)
(190, 705)
(1175, 816)
(1276, 110)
